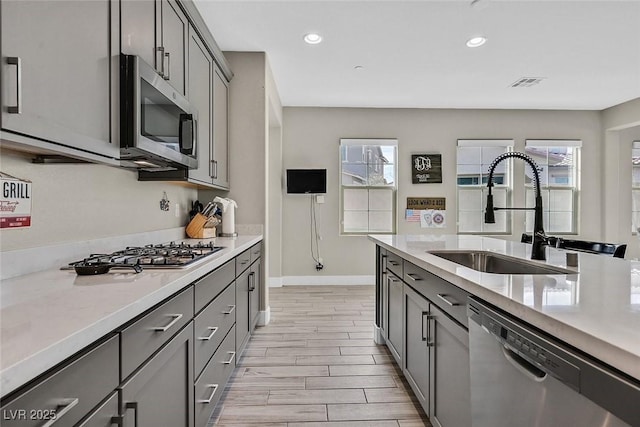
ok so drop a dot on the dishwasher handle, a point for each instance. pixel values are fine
(523, 365)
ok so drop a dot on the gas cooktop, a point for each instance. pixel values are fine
(171, 255)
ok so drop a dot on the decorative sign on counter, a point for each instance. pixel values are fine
(426, 168)
(15, 203)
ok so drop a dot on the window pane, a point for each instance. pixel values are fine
(469, 222)
(380, 200)
(470, 200)
(356, 199)
(356, 222)
(381, 221)
(560, 200)
(560, 222)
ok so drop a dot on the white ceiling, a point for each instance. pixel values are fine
(414, 53)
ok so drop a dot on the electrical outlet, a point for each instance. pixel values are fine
(319, 199)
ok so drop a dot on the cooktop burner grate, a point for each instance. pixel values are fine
(172, 255)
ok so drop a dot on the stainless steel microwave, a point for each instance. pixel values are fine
(157, 124)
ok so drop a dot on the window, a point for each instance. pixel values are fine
(473, 160)
(559, 166)
(368, 186)
(635, 186)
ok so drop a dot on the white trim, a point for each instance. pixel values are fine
(275, 282)
(264, 317)
(368, 141)
(553, 143)
(485, 143)
(322, 280)
(378, 337)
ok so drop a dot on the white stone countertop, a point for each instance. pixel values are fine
(48, 316)
(596, 310)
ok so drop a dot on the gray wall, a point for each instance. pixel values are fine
(311, 137)
(76, 202)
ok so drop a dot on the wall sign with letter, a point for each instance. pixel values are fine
(15, 202)
(426, 168)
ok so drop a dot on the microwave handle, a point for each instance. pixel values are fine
(187, 134)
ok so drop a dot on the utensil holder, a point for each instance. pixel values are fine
(195, 227)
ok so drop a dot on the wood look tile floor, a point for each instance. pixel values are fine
(316, 364)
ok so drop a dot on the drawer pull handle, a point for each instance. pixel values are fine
(394, 263)
(246, 261)
(414, 277)
(66, 405)
(213, 330)
(393, 279)
(451, 302)
(233, 355)
(213, 393)
(117, 420)
(231, 308)
(176, 318)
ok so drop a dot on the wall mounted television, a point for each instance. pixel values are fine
(306, 181)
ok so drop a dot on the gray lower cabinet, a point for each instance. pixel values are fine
(210, 384)
(105, 415)
(395, 319)
(450, 402)
(417, 342)
(68, 394)
(242, 310)
(423, 319)
(58, 84)
(254, 294)
(160, 392)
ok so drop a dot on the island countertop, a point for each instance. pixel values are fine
(596, 310)
(48, 316)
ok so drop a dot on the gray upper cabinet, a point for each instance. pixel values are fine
(201, 97)
(156, 31)
(59, 77)
(220, 130)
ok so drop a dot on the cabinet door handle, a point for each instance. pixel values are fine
(449, 301)
(214, 175)
(244, 262)
(213, 330)
(66, 405)
(176, 318)
(228, 362)
(414, 277)
(213, 393)
(134, 406)
(117, 421)
(160, 60)
(166, 71)
(393, 279)
(231, 308)
(425, 317)
(17, 109)
(252, 281)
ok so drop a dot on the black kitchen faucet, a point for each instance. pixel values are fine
(540, 239)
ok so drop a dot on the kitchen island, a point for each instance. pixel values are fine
(48, 316)
(593, 308)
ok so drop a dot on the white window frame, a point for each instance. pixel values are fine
(635, 189)
(394, 187)
(506, 188)
(546, 189)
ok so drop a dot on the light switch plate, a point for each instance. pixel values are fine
(319, 199)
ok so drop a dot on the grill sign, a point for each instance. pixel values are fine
(15, 203)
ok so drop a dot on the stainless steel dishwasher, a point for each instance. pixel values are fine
(522, 377)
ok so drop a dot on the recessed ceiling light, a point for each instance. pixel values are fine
(312, 38)
(358, 67)
(476, 41)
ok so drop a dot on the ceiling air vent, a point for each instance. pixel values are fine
(527, 81)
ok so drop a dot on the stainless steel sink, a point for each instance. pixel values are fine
(491, 262)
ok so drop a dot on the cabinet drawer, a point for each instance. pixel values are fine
(242, 261)
(212, 284)
(210, 385)
(394, 263)
(70, 393)
(256, 251)
(104, 414)
(212, 324)
(448, 297)
(141, 339)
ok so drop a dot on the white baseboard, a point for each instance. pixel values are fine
(276, 282)
(264, 317)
